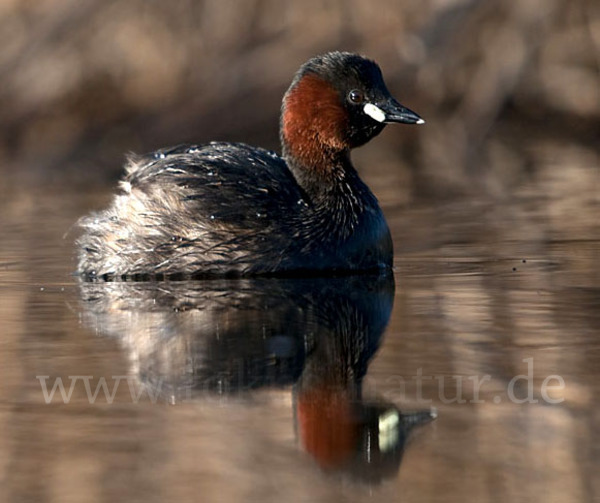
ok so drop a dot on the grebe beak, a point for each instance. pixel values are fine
(391, 111)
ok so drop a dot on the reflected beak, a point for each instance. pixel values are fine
(392, 111)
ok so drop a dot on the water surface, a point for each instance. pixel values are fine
(313, 391)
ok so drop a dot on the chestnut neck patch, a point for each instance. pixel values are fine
(314, 123)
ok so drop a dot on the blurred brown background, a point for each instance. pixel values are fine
(493, 207)
(503, 84)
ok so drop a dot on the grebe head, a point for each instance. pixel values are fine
(336, 102)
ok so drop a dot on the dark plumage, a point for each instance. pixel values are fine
(232, 209)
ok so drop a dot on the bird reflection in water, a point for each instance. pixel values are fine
(190, 339)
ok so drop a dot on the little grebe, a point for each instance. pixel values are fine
(230, 209)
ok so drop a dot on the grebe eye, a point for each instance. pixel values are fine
(355, 96)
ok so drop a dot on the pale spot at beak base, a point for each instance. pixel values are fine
(374, 112)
